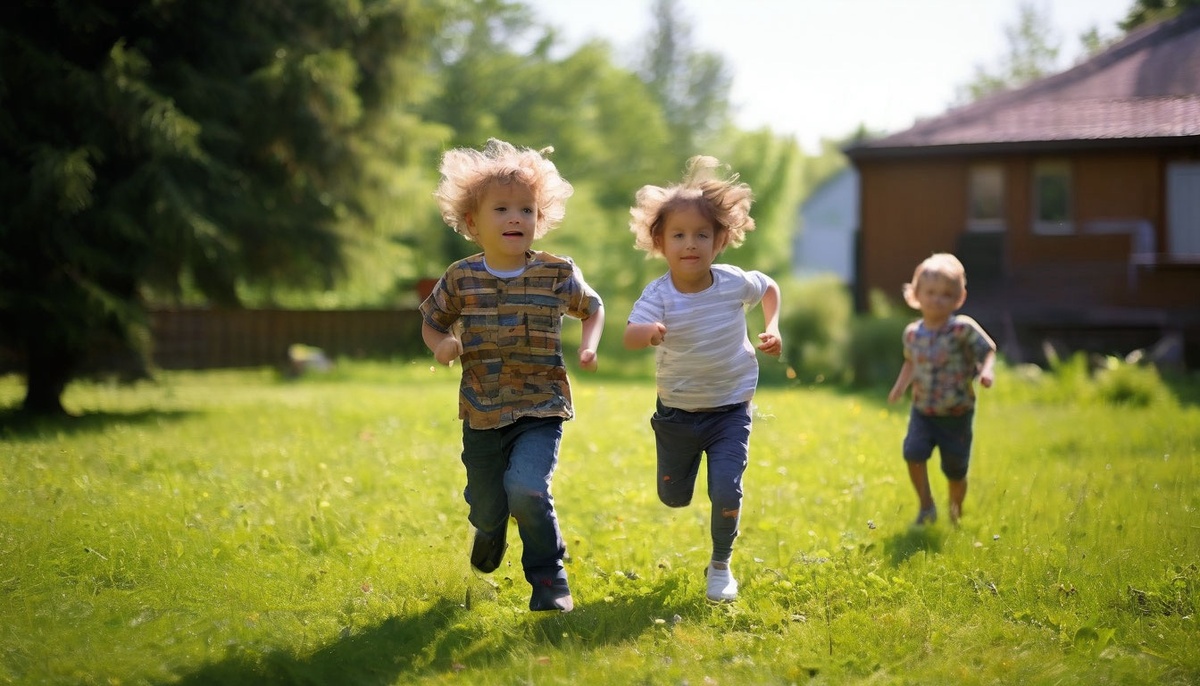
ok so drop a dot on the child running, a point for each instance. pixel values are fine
(507, 304)
(943, 353)
(707, 370)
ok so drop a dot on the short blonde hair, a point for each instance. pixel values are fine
(940, 265)
(724, 201)
(467, 173)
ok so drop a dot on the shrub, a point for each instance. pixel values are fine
(815, 327)
(875, 352)
(1120, 383)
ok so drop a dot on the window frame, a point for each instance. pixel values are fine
(1045, 172)
(981, 177)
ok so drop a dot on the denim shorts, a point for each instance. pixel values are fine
(951, 435)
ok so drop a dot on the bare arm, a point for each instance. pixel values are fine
(902, 382)
(638, 336)
(770, 342)
(986, 373)
(593, 326)
(445, 346)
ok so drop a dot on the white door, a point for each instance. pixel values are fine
(1183, 209)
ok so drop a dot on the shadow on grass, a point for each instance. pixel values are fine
(17, 424)
(913, 540)
(378, 655)
(436, 641)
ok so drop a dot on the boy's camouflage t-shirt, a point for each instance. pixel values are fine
(945, 364)
(512, 361)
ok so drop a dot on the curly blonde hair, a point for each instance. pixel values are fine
(467, 173)
(940, 265)
(723, 201)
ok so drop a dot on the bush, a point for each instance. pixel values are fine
(1082, 380)
(876, 351)
(815, 327)
(1120, 383)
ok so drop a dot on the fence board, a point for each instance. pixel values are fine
(219, 338)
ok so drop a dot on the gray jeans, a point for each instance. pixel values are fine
(723, 435)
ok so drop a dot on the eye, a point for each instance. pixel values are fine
(527, 210)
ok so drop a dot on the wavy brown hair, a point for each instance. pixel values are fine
(721, 198)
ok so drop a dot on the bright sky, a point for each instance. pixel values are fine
(819, 68)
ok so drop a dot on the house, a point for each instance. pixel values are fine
(1074, 202)
(824, 243)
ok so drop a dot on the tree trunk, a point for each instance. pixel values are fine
(47, 373)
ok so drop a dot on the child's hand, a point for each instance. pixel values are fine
(660, 330)
(986, 378)
(587, 360)
(448, 350)
(895, 394)
(771, 343)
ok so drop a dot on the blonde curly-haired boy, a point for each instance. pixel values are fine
(499, 312)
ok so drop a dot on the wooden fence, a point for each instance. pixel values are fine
(218, 338)
(208, 339)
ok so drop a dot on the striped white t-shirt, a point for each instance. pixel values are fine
(706, 359)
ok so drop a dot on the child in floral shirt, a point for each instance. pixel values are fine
(943, 353)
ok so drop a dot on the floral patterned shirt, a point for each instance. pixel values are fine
(945, 364)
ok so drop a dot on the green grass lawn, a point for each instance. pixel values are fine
(236, 528)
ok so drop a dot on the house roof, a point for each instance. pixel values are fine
(1144, 88)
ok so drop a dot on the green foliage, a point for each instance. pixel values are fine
(1032, 53)
(826, 342)
(1084, 379)
(1149, 11)
(816, 327)
(224, 147)
(239, 528)
(875, 351)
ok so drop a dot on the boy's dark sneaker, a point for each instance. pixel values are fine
(927, 516)
(550, 595)
(488, 550)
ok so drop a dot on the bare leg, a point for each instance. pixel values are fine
(958, 493)
(919, 475)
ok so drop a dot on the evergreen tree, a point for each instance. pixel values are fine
(160, 146)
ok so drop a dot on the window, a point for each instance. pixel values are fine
(985, 198)
(1052, 198)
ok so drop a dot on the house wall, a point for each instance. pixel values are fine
(914, 207)
(910, 209)
(823, 242)
(1024, 285)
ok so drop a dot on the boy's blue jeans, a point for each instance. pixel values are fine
(509, 471)
(724, 435)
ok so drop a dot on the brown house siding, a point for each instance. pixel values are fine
(1120, 122)
(912, 208)
(1084, 288)
(909, 210)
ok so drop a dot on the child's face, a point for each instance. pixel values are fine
(504, 223)
(939, 297)
(689, 243)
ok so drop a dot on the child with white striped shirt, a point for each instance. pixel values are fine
(707, 369)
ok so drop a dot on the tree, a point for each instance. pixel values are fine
(692, 86)
(1150, 11)
(207, 144)
(1032, 53)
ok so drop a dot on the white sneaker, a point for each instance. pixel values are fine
(722, 587)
